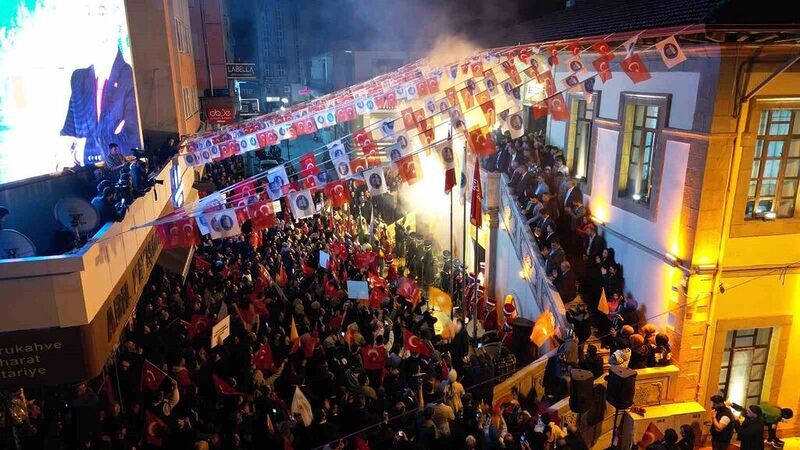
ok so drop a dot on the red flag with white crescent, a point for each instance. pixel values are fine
(603, 67)
(308, 165)
(408, 169)
(557, 107)
(223, 388)
(414, 344)
(481, 143)
(152, 376)
(635, 68)
(157, 430)
(262, 359)
(373, 357)
(338, 193)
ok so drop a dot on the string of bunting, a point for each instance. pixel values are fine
(221, 221)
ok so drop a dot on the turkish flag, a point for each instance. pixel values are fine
(489, 112)
(574, 48)
(408, 289)
(513, 74)
(152, 377)
(524, 55)
(481, 143)
(308, 165)
(408, 169)
(363, 139)
(199, 325)
(549, 84)
(376, 296)
(341, 115)
(261, 215)
(338, 193)
(308, 271)
(228, 149)
(223, 388)
(364, 260)
(635, 68)
(414, 344)
(539, 110)
(262, 359)
(476, 201)
(558, 107)
(357, 166)
(267, 138)
(603, 67)
(290, 187)
(178, 234)
(157, 430)
(409, 120)
(373, 357)
(601, 47)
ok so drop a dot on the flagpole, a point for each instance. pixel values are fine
(452, 267)
(464, 228)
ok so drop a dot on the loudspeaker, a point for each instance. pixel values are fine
(620, 386)
(580, 390)
(521, 345)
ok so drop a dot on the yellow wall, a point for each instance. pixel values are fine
(750, 254)
(753, 302)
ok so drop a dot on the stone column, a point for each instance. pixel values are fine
(493, 210)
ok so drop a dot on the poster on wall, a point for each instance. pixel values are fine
(66, 83)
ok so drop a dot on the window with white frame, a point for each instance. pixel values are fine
(580, 135)
(644, 116)
(775, 173)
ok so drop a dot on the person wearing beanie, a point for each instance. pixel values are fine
(751, 430)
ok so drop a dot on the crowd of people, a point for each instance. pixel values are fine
(306, 367)
(577, 258)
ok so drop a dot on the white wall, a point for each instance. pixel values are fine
(647, 277)
(509, 281)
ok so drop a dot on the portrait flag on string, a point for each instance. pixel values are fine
(376, 181)
(671, 52)
(302, 204)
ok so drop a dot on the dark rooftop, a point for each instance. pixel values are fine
(603, 17)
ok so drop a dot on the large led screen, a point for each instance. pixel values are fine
(66, 85)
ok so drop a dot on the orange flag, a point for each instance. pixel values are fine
(293, 336)
(543, 328)
(602, 305)
(282, 278)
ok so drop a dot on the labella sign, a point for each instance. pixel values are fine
(241, 70)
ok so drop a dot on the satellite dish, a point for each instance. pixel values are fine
(76, 214)
(14, 244)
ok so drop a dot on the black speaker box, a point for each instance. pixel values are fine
(580, 390)
(620, 386)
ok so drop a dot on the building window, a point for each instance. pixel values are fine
(642, 122)
(275, 70)
(580, 136)
(744, 363)
(191, 105)
(775, 174)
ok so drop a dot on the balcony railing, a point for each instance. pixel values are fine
(533, 266)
